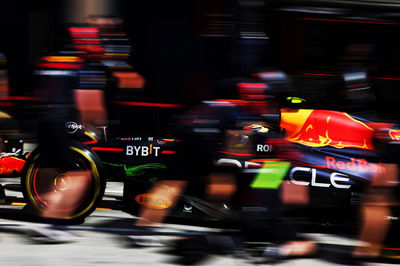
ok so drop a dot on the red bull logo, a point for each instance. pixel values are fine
(318, 128)
(360, 165)
(394, 134)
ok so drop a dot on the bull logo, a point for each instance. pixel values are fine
(394, 134)
(318, 128)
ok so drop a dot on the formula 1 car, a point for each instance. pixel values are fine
(335, 159)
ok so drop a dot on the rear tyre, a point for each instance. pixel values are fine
(38, 182)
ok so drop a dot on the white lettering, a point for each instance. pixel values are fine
(335, 177)
(142, 150)
(155, 149)
(247, 164)
(137, 149)
(229, 161)
(129, 150)
(145, 151)
(13, 153)
(264, 148)
(314, 181)
(296, 182)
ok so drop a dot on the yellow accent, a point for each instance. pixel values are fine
(62, 59)
(168, 140)
(295, 99)
(4, 115)
(394, 137)
(293, 121)
(90, 135)
(96, 178)
(18, 203)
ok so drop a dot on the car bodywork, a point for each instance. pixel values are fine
(335, 158)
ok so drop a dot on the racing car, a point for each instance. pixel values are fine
(336, 160)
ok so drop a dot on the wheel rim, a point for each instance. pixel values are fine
(38, 183)
(43, 183)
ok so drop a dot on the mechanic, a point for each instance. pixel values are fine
(378, 201)
(236, 103)
(71, 85)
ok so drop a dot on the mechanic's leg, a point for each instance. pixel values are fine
(63, 197)
(221, 187)
(375, 211)
(374, 227)
(295, 195)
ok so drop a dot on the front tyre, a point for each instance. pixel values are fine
(70, 194)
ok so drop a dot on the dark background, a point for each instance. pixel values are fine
(180, 62)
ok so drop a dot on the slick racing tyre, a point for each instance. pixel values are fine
(63, 195)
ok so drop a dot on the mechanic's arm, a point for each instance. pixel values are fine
(91, 106)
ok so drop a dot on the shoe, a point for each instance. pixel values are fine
(144, 241)
(274, 253)
(51, 235)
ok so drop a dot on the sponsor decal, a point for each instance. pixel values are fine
(264, 148)
(10, 164)
(337, 180)
(72, 127)
(14, 152)
(318, 128)
(360, 165)
(153, 201)
(270, 175)
(188, 209)
(239, 164)
(143, 151)
(394, 134)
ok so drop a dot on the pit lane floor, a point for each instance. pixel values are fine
(102, 241)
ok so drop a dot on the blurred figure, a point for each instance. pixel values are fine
(226, 126)
(379, 198)
(73, 84)
(72, 87)
(116, 52)
(90, 66)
